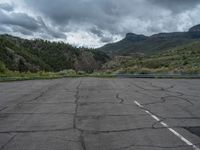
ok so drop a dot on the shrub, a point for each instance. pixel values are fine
(69, 72)
(2, 68)
(82, 73)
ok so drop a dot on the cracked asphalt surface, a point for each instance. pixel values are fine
(98, 114)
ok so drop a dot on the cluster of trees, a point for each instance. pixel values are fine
(36, 55)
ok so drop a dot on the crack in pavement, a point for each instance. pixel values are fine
(182, 98)
(77, 97)
(157, 87)
(82, 141)
(3, 146)
(178, 93)
(42, 93)
(121, 100)
(36, 97)
(164, 99)
(3, 108)
(167, 89)
(161, 88)
(76, 102)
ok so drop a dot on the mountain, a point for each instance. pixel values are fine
(141, 44)
(182, 59)
(38, 55)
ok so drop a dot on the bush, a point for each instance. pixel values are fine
(82, 73)
(2, 68)
(69, 72)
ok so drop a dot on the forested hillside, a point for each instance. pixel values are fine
(39, 55)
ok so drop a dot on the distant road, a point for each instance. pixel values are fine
(100, 114)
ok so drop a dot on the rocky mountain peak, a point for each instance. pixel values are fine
(135, 37)
(195, 28)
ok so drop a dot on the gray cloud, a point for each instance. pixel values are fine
(101, 35)
(4, 29)
(100, 21)
(6, 6)
(177, 5)
(97, 12)
(19, 19)
(110, 14)
(21, 30)
(26, 24)
(54, 33)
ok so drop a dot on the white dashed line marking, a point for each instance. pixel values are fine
(166, 126)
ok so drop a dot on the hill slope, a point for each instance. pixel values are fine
(133, 43)
(183, 59)
(34, 55)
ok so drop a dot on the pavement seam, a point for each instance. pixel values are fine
(34, 131)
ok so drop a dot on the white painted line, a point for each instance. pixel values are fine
(166, 126)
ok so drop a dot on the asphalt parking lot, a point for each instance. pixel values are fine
(100, 114)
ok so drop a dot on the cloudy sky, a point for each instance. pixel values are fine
(93, 23)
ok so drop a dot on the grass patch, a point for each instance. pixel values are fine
(19, 76)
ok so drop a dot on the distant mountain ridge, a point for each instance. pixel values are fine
(134, 43)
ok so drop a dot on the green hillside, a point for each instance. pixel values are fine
(183, 59)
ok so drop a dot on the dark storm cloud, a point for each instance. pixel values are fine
(177, 5)
(99, 20)
(24, 23)
(101, 35)
(62, 12)
(19, 19)
(50, 31)
(109, 14)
